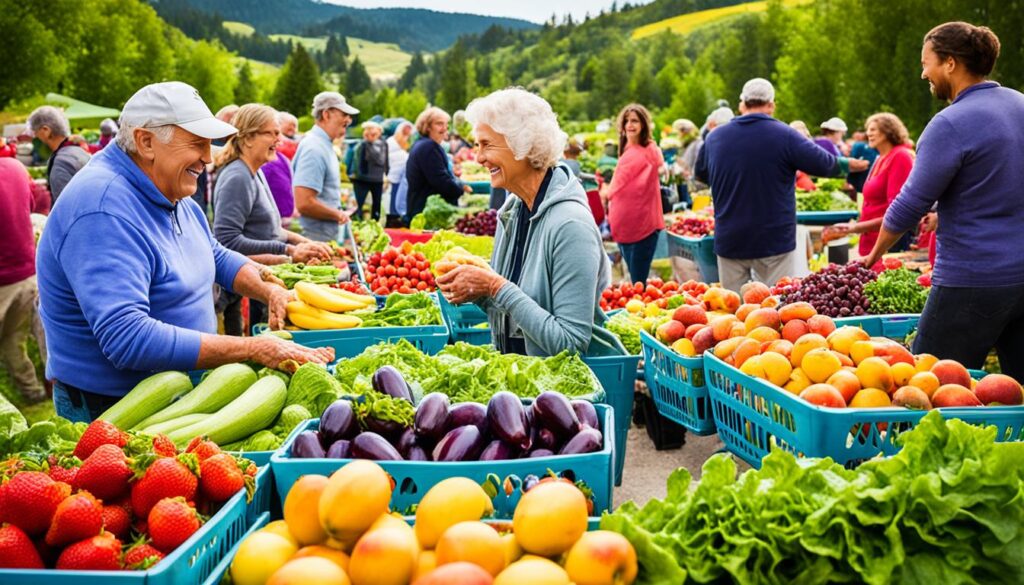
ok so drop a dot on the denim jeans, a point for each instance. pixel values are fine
(78, 406)
(639, 255)
(375, 190)
(964, 324)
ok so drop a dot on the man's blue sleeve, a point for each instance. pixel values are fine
(938, 161)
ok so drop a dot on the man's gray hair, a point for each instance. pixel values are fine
(50, 117)
(283, 117)
(125, 139)
(526, 121)
(720, 117)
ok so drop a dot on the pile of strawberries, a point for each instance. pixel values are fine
(119, 501)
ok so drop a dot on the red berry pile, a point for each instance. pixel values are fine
(399, 270)
(478, 224)
(693, 226)
(835, 290)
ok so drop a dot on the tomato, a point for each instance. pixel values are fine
(391, 281)
(382, 291)
(638, 288)
(389, 270)
(419, 256)
(421, 285)
(414, 272)
(403, 271)
(391, 253)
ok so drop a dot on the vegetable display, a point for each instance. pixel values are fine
(933, 513)
(657, 291)
(399, 270)
(482, 223)
(443, 241)
(370, 236)
(293, 273)
(896, 291)
(822, 200)
(627, 326)
(437, 214)
(405, 310)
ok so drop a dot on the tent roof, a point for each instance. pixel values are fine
(77, 110)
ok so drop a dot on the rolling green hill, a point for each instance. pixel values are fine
(687, 23)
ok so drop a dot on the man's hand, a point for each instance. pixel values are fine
(467, 189)
(272, 352)
(857, 165)
(930, 223)
(277, 306)
(307, 251)
(466, 283)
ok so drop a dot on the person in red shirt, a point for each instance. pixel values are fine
(888, 135)
(634, 194)
(18, 290)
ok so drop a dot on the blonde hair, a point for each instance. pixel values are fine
(249, 119)
(427, 117)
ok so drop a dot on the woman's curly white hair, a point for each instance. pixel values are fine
(526, 121)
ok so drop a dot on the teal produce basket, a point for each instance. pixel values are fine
(700, 250)
(753, 416)
(463, 321)
(891, 326)
(222, 568)
(617, 374)
(678, 386)
(825, 217)
(414, 478)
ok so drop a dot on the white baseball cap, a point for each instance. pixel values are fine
(177, 103)
(327, 100)
(758, 89)
(834, 124)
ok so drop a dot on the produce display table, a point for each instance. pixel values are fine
(825, 217)
(480, 186)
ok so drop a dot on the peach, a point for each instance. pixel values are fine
(821, 324)
(726, 348)
(894, 353)
(722, 327)
(690, 315)
(861, 350)
(472, 542)
(873, 372)
(601, 556)
(954, 395)
(755, 292)
(819, 364)
(703, 340)
(669, 331)
(461, 572)
(823, 395)
(720, 299)
(846, 383)
(798, 381)
(911, 397)
(951, 372)
(902, 372)
(999, 389)
(842, 338)
(799, 310)
(844, 359)
(805, 344)
(925, 361)
(746, 349)
(738, 329)
(779, 346)
(926, 381)
(744, 310)
(795, 329)
(763, 334)
(777, 368)
(762, 318)
(693, 329)
(684, 347)
(870, 398)
(772, 302)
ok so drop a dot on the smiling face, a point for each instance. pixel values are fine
(495, 155)
(876, 137)
(439, 129)
(261, 146)
(174, 167)
(936, 71)
(632, 127)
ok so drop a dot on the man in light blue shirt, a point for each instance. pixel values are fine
(315, 168)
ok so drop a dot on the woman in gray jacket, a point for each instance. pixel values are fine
(371, 167)
(543, 296)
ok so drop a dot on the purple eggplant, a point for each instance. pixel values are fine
(552, 410)
(370, 445)
(307, 446)
(338, 422)
(546, 439)
(388, 380)
(497, 450)
(467, 413)
(405, 440)
(586, 412)
(387, 428)
(541, 453)
(340, 449)
(417, 453)
(586, 441)
(461, 444)
(508, 419)
(432, 415)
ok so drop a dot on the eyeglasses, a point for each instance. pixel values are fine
(274, 133)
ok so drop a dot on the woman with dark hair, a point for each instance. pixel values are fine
(634, 194)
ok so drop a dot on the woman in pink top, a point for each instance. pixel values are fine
(634, 194)
(889, 136)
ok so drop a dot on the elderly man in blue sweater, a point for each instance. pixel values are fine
(969, 162)
(127, 263)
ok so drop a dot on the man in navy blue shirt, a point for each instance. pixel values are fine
(751, 164)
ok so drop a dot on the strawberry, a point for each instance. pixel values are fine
(98, 553)
(141, 556)
(79, 516)
(105, 473)
(164, 477)
(16, 549)
(171, 522)
(117, 520)
(99, 432)
(30, 500)
(164, 447)
(220, 478)
(63, 469)
(202, 448)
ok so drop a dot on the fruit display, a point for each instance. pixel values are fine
(399, 270)
(293, 273)
(392, 429)
(370, 236)
(835, 291)
(318, 306)
(341, 255)
(338, 529)
(936, 508)
(482, 223)
(696, 325)
(896, 291)
(353, 286)
(656, 291)
(99, 498)
(693, 225)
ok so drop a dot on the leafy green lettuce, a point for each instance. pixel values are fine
(370, 236)
(56, 436)
(410, 310)
(444, 240)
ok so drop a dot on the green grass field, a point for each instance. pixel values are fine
(239, 28)
(686, 23)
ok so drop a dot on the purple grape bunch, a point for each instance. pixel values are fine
(836, 290)
(478, 224)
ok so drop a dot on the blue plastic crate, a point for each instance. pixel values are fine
(753, 415)
(677, 385)
(617, 374)
(192, 562)
(891, 326)
(414, 478)
(224, 565)
(261, 497)
(463, 321)
(825, 217)
(700, 250)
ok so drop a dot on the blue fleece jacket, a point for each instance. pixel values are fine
(969, 161)
(125, 278)
(751, 165)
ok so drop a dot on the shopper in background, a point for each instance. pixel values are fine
(861, 149)
(570, 157)
(289, 135)
(108, 131)
(428, 169)
(398, 156)
(370, 167)
(634, 195)
(49, 125)
(831, 139)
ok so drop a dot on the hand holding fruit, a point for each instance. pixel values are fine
(466, 283)
(307, 251)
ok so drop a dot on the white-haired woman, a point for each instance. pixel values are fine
(398, 156)
(428, 170)
(370, 166)
(549, 264)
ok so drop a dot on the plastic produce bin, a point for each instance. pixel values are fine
(462, 321)
(677, 385)
(699, 250)
(618, 376)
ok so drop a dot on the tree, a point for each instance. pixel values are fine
(245, 90)
(298, 84)
(208, 68)
(641, 83)
(416, 68)
(452, 93)
(30, 67)
(333, 56)
(358, 80)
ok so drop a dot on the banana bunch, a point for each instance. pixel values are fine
(456, 256)
(322, 307)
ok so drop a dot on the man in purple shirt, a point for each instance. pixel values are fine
(968, 161)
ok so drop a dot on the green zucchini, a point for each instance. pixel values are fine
(255, 409)
(175, 423)
(147, 398)
(219, 387)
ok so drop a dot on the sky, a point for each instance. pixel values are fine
(533, 10)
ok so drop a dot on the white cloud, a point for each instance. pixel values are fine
(533, 10)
